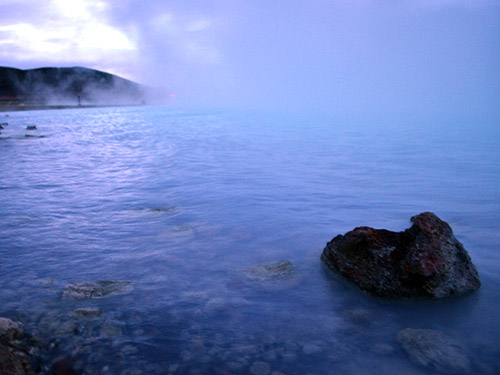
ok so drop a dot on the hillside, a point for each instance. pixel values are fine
(67, 86)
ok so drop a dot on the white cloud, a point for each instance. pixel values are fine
(64, 31)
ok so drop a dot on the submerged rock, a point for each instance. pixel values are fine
(271, 271)
(435, 350)
(425, 260)
(272, 276)
(88, 312)
(10, 330)
(99, 288)
(16, 356)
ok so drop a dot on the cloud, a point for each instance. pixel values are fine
(62, 32)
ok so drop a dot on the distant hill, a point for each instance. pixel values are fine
(68, 86)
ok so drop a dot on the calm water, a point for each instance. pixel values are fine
(180, 203)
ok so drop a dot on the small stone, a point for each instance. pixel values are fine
(99, 288)
(69, 326)
(260, 368)
(88, 312)
(271, 271)
(435, 350)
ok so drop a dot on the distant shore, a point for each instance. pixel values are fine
(15, 108)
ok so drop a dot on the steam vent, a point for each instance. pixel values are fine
(425, 260)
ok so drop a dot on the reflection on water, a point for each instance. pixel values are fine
(186, 205)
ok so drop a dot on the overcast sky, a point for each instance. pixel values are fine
(331, 56)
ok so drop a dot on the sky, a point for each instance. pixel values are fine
(379, 57)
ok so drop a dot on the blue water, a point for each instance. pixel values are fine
(180, 203)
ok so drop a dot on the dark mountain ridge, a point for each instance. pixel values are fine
(68, 86)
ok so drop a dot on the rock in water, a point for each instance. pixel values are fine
(271, 271)
(435, 350)
(425, 260)
(99, 288)
(272, 276)
(16, 356)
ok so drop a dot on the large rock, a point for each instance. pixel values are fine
(435, 350)
(425, 260)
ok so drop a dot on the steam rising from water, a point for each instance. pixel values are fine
(362, 58)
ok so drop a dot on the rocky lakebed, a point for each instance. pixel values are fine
(76, 332)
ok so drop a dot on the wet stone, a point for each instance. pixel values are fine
(33, 136)
(9, 329)
(88, 312)
(69, 326)
(281, 270)
(435, 350)
(99, 288)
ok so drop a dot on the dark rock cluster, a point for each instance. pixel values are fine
(17, 350)
(425, 260)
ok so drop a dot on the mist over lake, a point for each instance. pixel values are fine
(185, 206)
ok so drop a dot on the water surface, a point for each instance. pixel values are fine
(181, 202)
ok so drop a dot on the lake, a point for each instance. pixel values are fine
(186, 204)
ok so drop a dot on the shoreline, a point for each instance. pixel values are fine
(19, 108)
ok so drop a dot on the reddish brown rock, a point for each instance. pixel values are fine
(425, 260)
